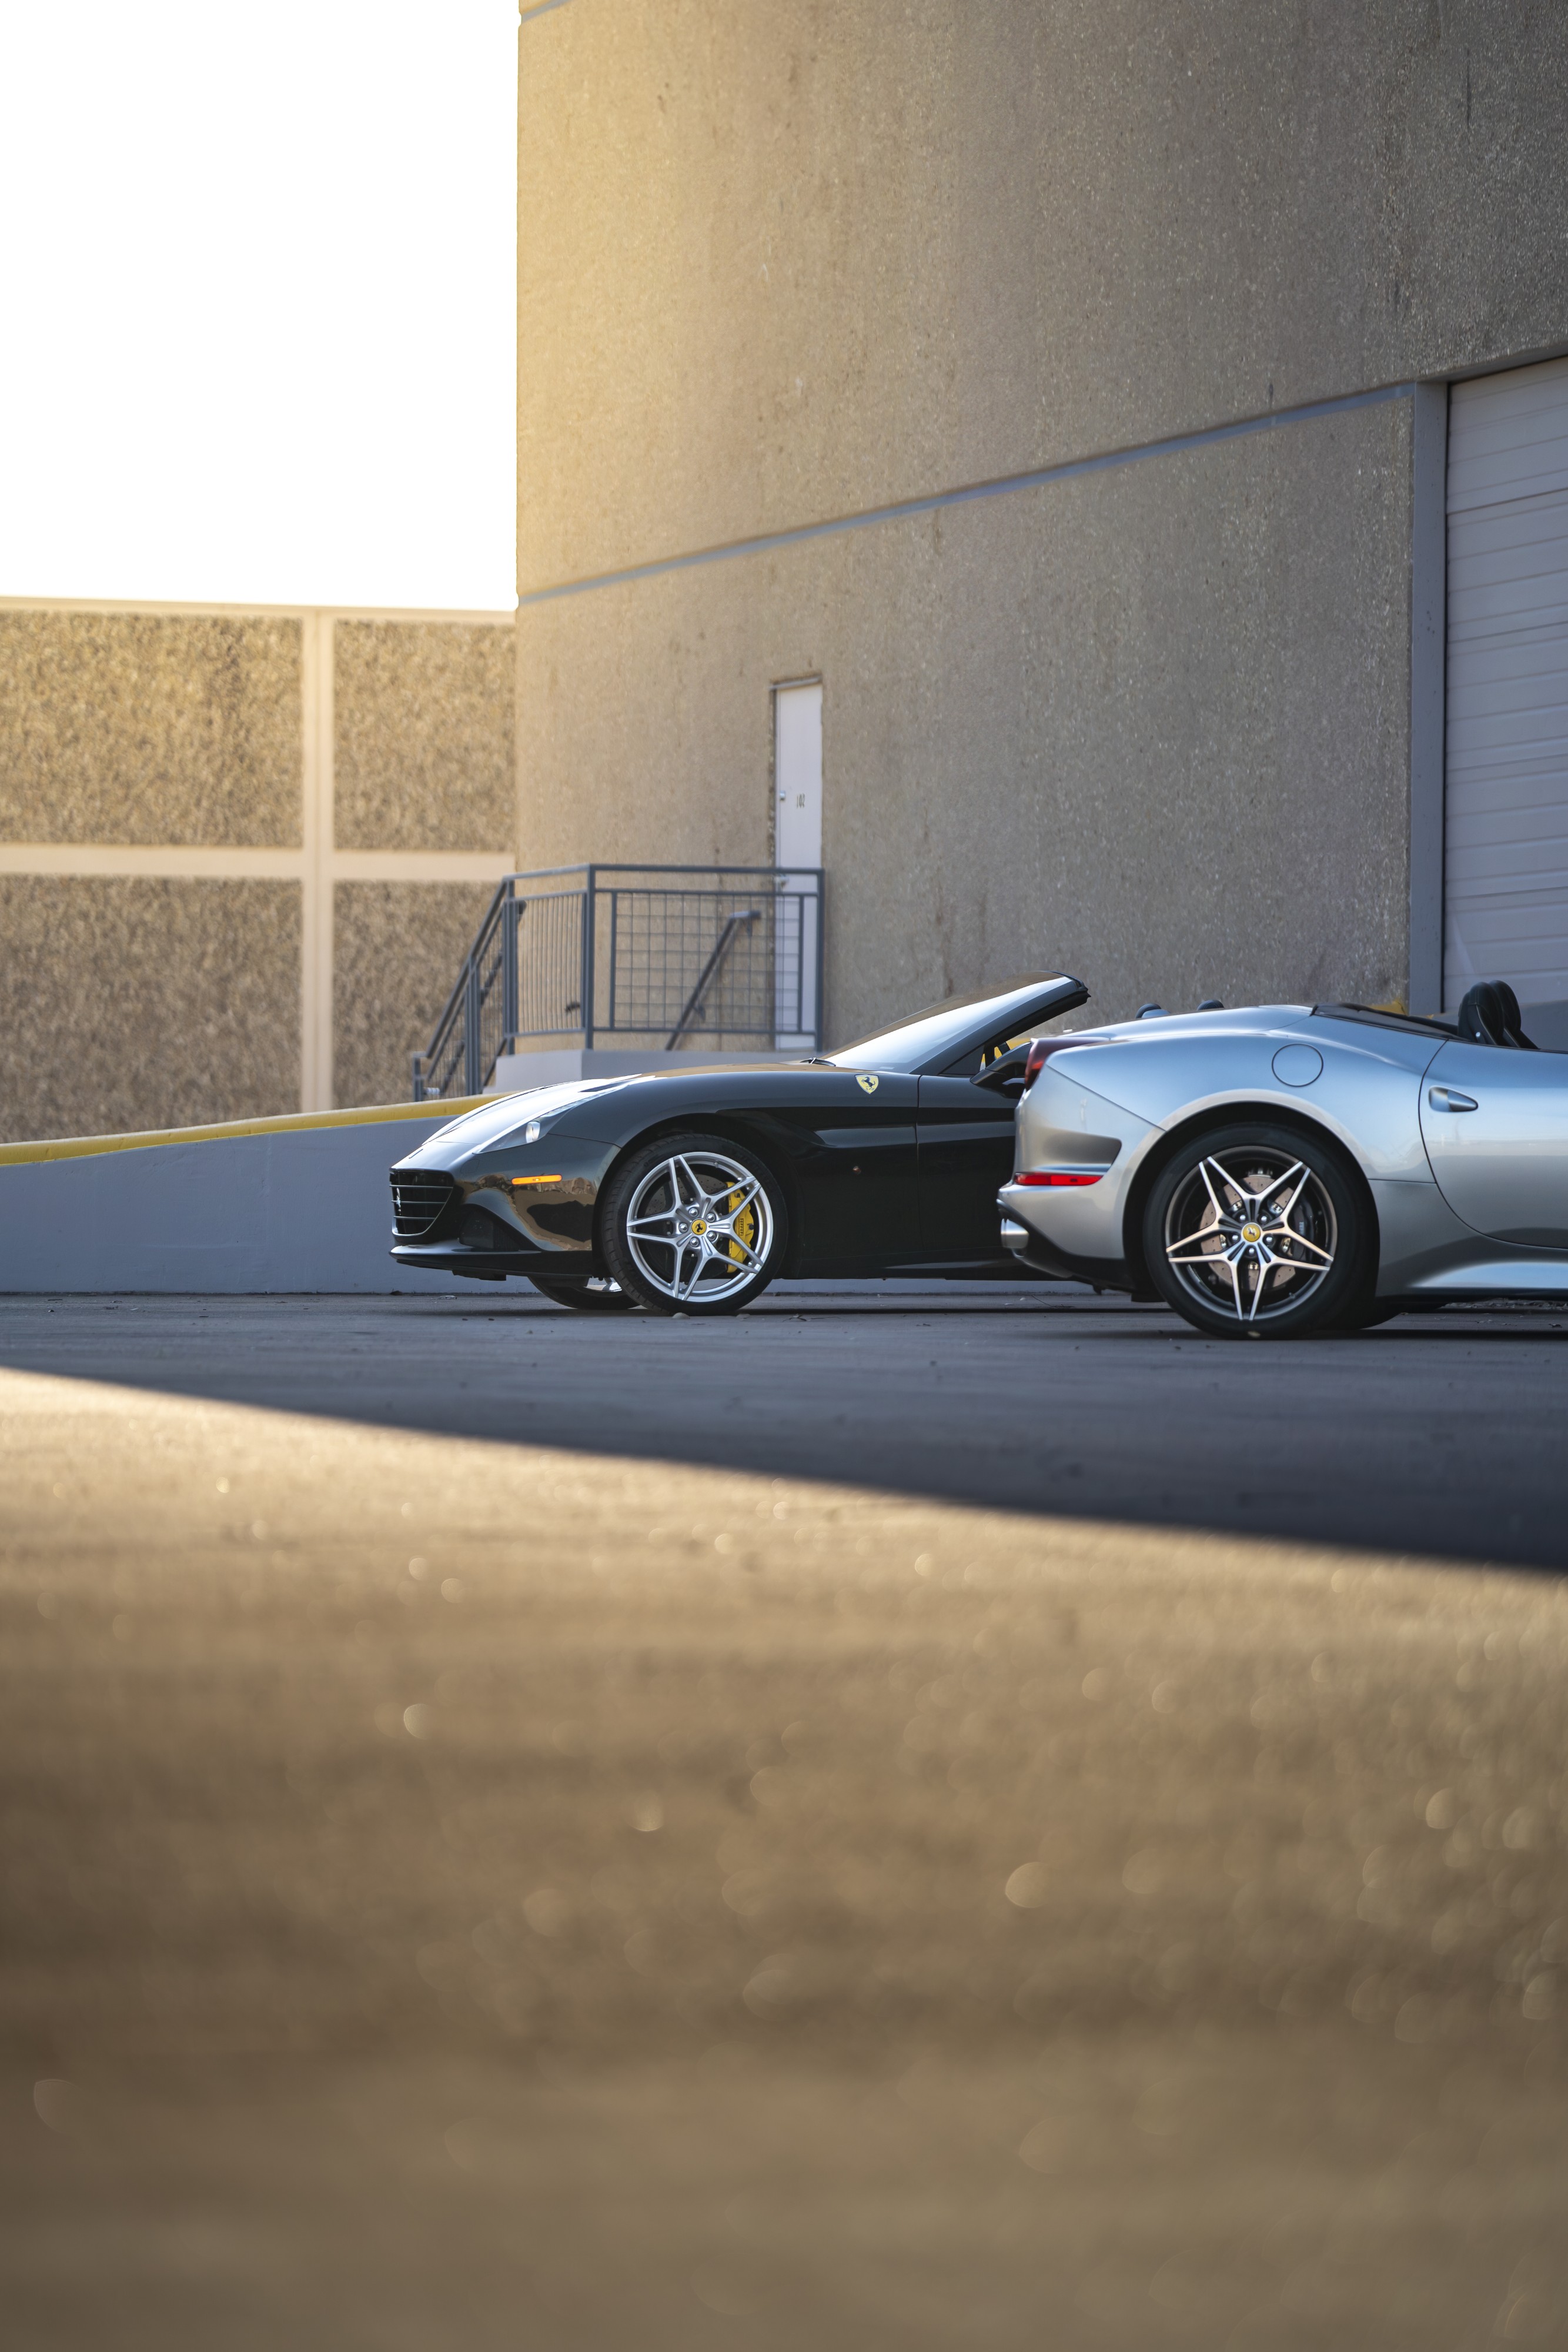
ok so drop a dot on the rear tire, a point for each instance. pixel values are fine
(693, 1224)
(1257, 1232)
(1369, 1319)
(595, 1297)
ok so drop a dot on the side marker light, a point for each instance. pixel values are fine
(1054, 1176)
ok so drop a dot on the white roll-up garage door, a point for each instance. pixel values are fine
(1505, 880)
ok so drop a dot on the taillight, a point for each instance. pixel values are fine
(1040, 1051)
(1059, 1176)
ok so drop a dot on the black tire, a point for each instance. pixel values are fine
(1369, 1318)
(595, 1297)
(1373, 1313)
(1258, 1231)
(693, 1224)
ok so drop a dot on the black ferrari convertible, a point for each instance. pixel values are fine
(688, 1191)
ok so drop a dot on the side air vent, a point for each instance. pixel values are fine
(419, 1195)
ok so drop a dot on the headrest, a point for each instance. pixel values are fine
(1489, 1016)
(1513, 1019)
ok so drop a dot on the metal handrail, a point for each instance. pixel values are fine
(652, 952)
(734, 925)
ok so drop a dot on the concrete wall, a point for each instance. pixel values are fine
(287, 1204)
(400, 946)
(422, 717)
(240, 855)
(152, 728)
(1146, 725)
(123, 995)
(784, 267)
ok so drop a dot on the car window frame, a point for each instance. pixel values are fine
(1020, 1019)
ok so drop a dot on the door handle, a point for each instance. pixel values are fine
(1446, 1098)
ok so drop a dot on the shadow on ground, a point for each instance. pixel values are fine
(1436, 1434)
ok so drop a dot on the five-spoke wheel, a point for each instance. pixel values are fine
(693, 1224)
(1255, 1230)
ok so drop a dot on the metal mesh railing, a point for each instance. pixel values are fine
(644, 954)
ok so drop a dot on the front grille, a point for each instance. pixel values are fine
(419, 1195)
(477, 1228)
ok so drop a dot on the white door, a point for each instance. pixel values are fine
(797, 843)
(1505, 883)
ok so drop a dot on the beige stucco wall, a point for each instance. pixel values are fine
(1146, 724)
(127, 1003)
(781, 267)
(400, 946)
(150, 728)
(139, 998)
(423, 716)
(783, 262)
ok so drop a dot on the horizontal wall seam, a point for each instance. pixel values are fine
(177, 862)
(420, 865)
(415, 614)
(1042, 479)
(91, 1146)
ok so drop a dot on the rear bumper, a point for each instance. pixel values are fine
(1031, 1250)
(1027, 1249)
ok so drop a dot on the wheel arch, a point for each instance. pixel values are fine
(1234, 1114)
(733, 1130)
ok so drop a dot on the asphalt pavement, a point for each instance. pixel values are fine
(1442, 1434)
(913, 1820)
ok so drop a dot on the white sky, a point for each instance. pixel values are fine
(257, 300)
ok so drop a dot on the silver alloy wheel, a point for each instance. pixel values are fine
(1252, 1232)
(699, 1227)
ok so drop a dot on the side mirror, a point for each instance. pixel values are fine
(1005, 1076)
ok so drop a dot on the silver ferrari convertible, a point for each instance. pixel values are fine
(1297, 1168)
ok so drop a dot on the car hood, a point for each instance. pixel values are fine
(493, 1120)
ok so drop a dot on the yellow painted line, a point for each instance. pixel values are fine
(88, 1147)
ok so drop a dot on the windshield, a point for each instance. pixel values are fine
(929, 1040)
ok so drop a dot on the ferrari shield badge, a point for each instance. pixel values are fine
(866, 1086)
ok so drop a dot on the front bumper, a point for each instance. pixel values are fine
(509, 1208)
(473, 1265)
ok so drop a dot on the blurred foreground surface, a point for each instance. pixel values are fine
(469, 1896)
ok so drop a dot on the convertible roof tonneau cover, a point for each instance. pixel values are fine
(1379, 1016)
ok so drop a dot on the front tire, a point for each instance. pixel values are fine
(693, 1224)
(1257, 1232)
(594, 1296)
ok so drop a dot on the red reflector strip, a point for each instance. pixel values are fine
(1060, 1176)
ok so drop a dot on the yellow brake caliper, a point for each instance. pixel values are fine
(744, 1229)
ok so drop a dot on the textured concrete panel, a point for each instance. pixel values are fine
(399, 946)
(425, 756)
(132, 1005)
(1149, 725)
(781, 263)
(150, 728)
